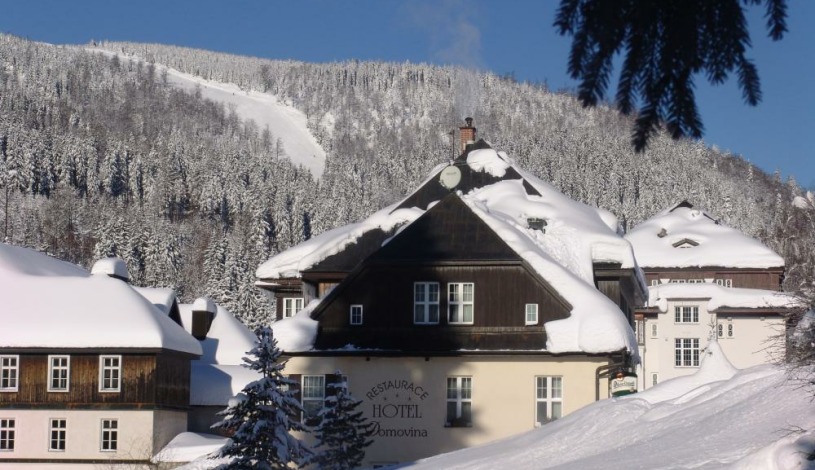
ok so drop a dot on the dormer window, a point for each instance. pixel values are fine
(686, 243)
(535, 223)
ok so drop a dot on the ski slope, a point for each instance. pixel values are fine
(284, 121)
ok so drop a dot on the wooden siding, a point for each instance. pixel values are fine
(386, 294)
(770, 279)
(148, 380)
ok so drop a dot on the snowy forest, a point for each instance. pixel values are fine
(100, 156)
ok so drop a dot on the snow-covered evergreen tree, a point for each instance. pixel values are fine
(263, 415)
(343, 433)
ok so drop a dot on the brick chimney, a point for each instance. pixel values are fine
(467, 133)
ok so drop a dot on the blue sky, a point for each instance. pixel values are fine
(504, 36)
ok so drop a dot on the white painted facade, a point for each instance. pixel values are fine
(139, 435)
(747, 339)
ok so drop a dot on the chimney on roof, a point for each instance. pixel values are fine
(203, 312)
(467, 133)
(113, 267)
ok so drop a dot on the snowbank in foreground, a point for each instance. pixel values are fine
(717, 418)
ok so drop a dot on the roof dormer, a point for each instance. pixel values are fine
(686, 243)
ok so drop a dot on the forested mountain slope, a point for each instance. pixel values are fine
(107, 157)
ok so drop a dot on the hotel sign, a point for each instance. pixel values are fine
(393, 403)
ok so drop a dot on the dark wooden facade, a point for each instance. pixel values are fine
(769, 279)
(148, 380)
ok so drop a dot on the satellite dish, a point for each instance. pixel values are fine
(450, 177)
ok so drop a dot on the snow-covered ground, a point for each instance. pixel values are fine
(718, 418)
(285, 122)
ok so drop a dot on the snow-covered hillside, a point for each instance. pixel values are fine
(718, 418)
(284, 121)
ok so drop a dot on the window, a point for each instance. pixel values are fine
(292, 305)
(356, 314)
(110, 435)
(6, 434)
(686, 352)
(531, 314)
(313, 396)
(426, 302)
(9, 371)
(653, 330)
(639, 329)
(725, 282)
(58, 373)
(654, 379)
(654, 282)
(720, 330)
(58, 429)
(459, 402)
(110, 372)
(730, 330)
(686, 314)
(460, 302)
(548, 399)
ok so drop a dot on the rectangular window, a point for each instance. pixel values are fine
(110, 373)
(426, 302)
(58, 373)
(9, 372)
(356, 314)
(313, 396)
(729, 330)
(292, 305)
(531, 314)
(6, 434)
(725, 282)
(686, 352)
(57, 432)
(640, 330)
(720, 330)
(548, 399)
(653, 330)
(459, 402)
(686, 314)
(460, 302)
(654, 379)
(110, 435)
(654, 282)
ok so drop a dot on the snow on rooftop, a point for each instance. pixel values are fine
(48, 303)
(684, 237)
(203, 304)
(161, 297)
(297, 333)
(576, 236)
(114, 267)
(216, 384)
(228, 340)
(719, 296)
(718, 418)
(189, 446)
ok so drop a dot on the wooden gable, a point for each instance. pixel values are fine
(449, 231)
(447, 245)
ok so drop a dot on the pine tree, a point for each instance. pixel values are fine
(343, 433)
(263, 415)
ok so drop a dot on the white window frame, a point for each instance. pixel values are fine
(688, 314)
(654, 282)
(109, 435)
(7, 434)
(731, 330)
(292, 305)
(9, 373)
(459, 393)
(57, 434)
(117, 369)
(355, 313)
(654, 378)
(654, 330)
(531, 314)
(686, 352)
(724, 282)
(423, 303)
(549, 393)
(59, 373)
(314, 392)
(457, 302)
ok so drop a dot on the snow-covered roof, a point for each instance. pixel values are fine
(48, 303)
(215, 384)
(227, 341)
(721, 297)
(114, 267)
(683, 236)
(576, 236)
(161, 297)
(189, 446)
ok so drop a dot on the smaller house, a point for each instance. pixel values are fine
(706, 280)
(91, 372)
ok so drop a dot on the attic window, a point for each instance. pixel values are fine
(535, 223)
(685, 243)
